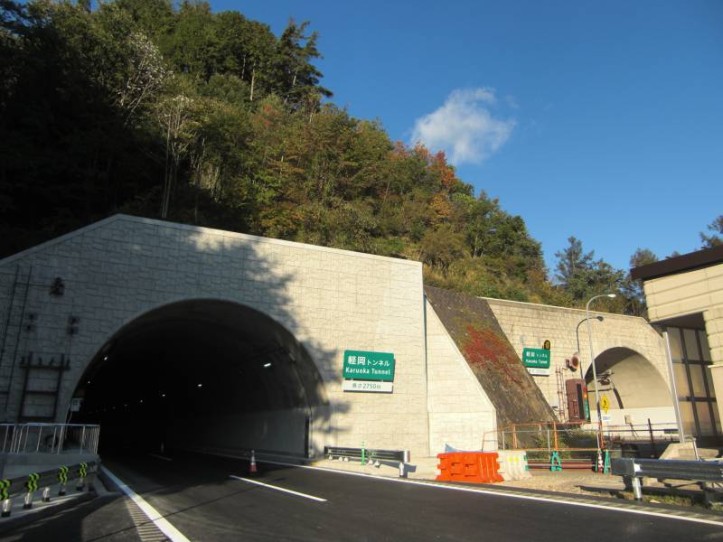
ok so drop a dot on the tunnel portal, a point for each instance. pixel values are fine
(202, 375)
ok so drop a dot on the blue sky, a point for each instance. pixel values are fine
(598, 119)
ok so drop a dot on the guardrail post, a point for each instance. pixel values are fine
(5, 497)
(637, 489)
(606, 465)
(63, 479)
(82, 473)
(555, 462)
(32, 486)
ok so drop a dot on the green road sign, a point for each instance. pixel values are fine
(360, 365)
(536, 358)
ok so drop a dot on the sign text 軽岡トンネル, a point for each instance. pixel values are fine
(362, 365)
(537, 361)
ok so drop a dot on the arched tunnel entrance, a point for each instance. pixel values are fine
(202, 375)
(629, 381)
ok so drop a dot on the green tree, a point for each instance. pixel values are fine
(631, 289)
(442, 246)
(580, 276)
(716, 238)
(572, 261)
(297, 79)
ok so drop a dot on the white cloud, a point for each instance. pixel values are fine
(463, 127)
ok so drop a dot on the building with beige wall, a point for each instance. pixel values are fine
(685, 301)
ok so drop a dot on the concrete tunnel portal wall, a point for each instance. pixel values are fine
(129, 309)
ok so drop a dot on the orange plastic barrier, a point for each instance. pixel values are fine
(475, 467)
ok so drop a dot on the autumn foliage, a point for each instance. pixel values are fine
(486, 350)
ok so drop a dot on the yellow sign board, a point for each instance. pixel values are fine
(605, 403)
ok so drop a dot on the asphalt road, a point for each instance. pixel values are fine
(203, 501)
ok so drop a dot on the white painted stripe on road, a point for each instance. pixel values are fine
(502, 493)
(163, 457)
(277, 488)
(166, 528)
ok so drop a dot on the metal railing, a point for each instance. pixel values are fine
(633, 470)
(370, 456)
(579, 436)
(53, 438)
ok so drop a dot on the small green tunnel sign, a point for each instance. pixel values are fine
(536, 358)
(361, 365)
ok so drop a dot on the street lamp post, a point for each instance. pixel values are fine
(594, 375)
(577, 336)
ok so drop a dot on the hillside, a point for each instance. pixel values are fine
(169, 110)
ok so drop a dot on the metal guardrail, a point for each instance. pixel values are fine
(27, 485)
(635, 469)
(369, 455)
(55, 438)
(578, 436)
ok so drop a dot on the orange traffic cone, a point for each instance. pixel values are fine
(252, 466)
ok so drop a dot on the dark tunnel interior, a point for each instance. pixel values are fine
(191, 361)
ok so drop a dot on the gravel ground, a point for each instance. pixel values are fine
(570, 481)
(673, 492)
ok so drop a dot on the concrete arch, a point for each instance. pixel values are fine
(631, 380)
(212, 374)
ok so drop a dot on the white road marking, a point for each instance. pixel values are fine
(277, 488)
(502, 493)
(163, 457)
(166, 528)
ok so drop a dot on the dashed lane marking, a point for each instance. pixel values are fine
(277, 488)
(572, 500)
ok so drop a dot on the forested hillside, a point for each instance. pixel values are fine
(170, 110)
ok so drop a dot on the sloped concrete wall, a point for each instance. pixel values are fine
(490, 358)
(461, 414)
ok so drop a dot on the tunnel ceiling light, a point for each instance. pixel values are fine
(267, 364)
(199, 385)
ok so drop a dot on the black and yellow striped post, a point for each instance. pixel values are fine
(5, 497)
(62, 479)
(82, 473)
(32, 486)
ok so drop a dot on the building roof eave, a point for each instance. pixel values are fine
(679, 264)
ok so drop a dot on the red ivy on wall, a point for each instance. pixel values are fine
(486, 350)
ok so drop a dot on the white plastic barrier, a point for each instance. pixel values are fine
(513, 465)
